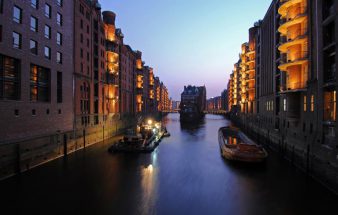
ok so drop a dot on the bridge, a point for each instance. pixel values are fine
(217, 112)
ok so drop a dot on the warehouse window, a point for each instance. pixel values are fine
(284, 105)
(9, 78)
(33, 45)
(59, 3)
(17, 14)
(312, 103)
(59, 87)
(35, 4)
(305, 103)
(39, 84)
(48, 11)
(17, 40)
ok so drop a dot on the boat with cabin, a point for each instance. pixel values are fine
(235, 145)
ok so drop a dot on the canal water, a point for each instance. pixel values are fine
(185, 175)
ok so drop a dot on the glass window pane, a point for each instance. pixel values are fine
(59, 3)
(16, 40)
(35, 4)
(33, 47)
(59, 19)
(47, 52)
(59, 38)
(34, 24)
(47, 31)
(17, 14)
(48, 12)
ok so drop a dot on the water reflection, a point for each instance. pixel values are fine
(149, 174)
(192, 127)
(184, 175)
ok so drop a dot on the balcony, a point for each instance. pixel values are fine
(251, 88)
(295, 87)
(139, 72)
(111, 46)
(285, 5)
(296, 38)
(298, 58)
(250, 61)
(112, 79)
(139, 90)
(251, 78)
(283, 29)
(248, 54)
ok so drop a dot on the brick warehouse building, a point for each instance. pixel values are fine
(36, 68)
(66, 80)
(296, 84)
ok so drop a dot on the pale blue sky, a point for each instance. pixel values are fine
(188, 41)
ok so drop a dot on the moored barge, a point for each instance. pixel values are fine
(235, 145)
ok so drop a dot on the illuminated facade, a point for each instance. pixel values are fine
(113, 42)
(291, 70)
(139, 83)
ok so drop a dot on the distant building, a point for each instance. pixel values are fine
(224, 100)
(176, 105)
(214, 103)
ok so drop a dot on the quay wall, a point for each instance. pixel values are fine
(20, 155)
(304, 152)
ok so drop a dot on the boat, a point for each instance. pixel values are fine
(165, 132)
(236, 146)
(144, 141)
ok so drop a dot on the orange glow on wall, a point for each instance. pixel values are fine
(139, 81)
(294, 43)
(139, 64)
(110, 32)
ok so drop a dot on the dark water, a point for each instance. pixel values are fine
(185, 175)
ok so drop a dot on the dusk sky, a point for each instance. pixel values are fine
(188, 41)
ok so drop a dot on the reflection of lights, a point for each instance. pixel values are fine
(150, 168)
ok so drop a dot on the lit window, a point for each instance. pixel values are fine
(47, 31)
(59, 19)
(335, 105)
(9, 78)
(305, 103)
(34, 24)
(59, 38)
(47, 52)
(33, 45)
(48, 11)
(284, 105)
(312, 103)
(330, 106)
(17, 14)
(59, 57)
(35, 4)
(16, 40)
(39, 84)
